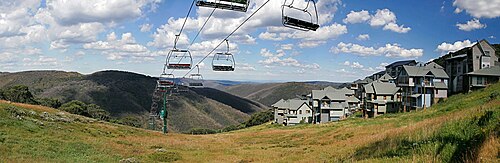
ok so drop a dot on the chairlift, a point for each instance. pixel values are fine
(179, 59)
(165, 81)
(300, 23)
(234, 5)
(223, 61)
(196, 79)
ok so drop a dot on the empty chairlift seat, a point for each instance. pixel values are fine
(196, 80)
(293, 16)
(235, 5)
(223, 61)
(179, 59)
(165, 81)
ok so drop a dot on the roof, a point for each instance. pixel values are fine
(380, 73)
(491, 71)
(433, 65)
(369, 88)
(424, 71)
(385, 88)
(352, 99)
(440, 85)
(457, 56)
(279, 104)
(400, 63)
(292, 104)
(364, 81)
(386, 77)
(332, 93)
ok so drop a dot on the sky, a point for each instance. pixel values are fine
(356, 38)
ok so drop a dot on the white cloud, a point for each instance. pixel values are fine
(245, 67)
(119, 49)
(479, 8)
(353, 64)
(146, 27)
(471, 25)
(363, 37)
(102, 11)
(287, 46)
(396, 28)
(384, 17)
(382, 66)
(448, 47)
(203, 48)
(308, 39)
(389, 50)
(278, 59)
(41, 61)
(357, 17)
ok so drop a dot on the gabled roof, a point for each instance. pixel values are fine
(491, 71)
(400, 63)
(369, 88)
(385, 88)
(433, 65)
(352, 99)
(386, 77)
(279, 104)
(424, 71)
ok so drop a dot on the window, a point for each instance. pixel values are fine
(385, 97)
(300, 111)
(437, 91)
(479, 80)
(487, 52)
(308, 111)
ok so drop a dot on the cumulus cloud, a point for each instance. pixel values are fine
(120, 48)
(382, 18)
(389, 50)
(308, 39)
(471, 25)
(146, 27)
(353, 64)
(478, 8)
(452, 47)
(357, 17)
(363, 37)
(279, 59)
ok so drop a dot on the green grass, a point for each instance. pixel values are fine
(464, 128)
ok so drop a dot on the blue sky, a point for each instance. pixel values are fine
(356, 38)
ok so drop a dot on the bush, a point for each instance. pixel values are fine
(96, 112)
(259, 118)
(130, 121)
(90, 110)
(75, 107)
(49, 102)
(18, 93)
(201, 131)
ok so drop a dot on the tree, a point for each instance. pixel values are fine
(75, 107)
(19, 93)
(259, 118)
(49, 102)
(96, 112)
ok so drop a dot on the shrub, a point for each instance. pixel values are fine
(259, 118)
(49, 102)
(130, 121)
(88, 110)
(201, 131)
(18, 93)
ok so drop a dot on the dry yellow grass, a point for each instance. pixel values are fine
(331, 142)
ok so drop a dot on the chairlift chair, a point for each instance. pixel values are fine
(299, 23)
(165, 81)
(223, 61)
(179, 59)
(196, 79)
(235, 5)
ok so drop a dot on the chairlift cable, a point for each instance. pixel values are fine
(199, 32)
(227, 37)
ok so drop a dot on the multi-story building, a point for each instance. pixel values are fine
(422, 85)
(394, 68)
(292, 112)
(332, 104)
(464, 62)
(381, 98)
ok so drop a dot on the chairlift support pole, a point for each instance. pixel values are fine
(165, 113)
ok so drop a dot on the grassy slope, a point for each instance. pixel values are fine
(464, 128)
(125, 93)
